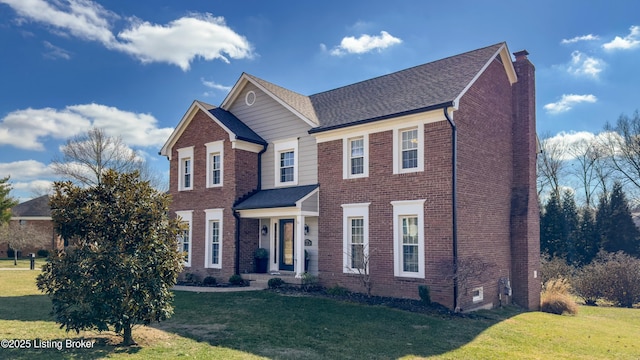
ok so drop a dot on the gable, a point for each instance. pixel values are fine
(240, 135)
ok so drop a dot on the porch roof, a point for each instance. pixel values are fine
(276, 198)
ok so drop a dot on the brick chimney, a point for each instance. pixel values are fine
(525, 215)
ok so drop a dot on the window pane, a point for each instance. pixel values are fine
(215, 242)
(410, 139)
(286, 166)
(357, 256)
(357, 148)
(187, 173)
(357, 231)
(409, 159)
(286, 159)
(410, 230)
(215, 166)
(357, 166)
(410, 258)
(286, 174)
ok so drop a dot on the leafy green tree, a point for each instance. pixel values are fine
(122, 260)
(622, 233)
(6, 202)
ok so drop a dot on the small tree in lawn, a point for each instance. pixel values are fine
(468, 272)
(359, 258)
(6, 202)
(122, 260)
(20, 237)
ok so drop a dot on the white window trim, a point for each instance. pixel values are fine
(187, 216)
(478, 298)
(213, 215)
(215, 148)
(397, 150)
(408, 208)
(285, 146)
(184, 154)
(346, 157)
(350, 211)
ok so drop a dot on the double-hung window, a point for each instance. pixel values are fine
(213, 241)
(356, 157)
(408, 149)
(355, 237)
(286, 162)
(408, 238)
(215, 158)
(184, 237)
(185, 168)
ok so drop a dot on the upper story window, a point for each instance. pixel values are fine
(184, 238)
(356, 157)
(408, 149)
(185, 168)
(286, 162)
(215, 158)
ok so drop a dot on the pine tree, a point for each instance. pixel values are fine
(621, 234)
(552, 228)
(588, 241)
(570, 227)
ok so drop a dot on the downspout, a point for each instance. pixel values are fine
(236, 215)
(454, 205)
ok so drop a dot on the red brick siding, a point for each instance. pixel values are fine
(240, 176)
(380, 188)
(485, 180)
(46, 227)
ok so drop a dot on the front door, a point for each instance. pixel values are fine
(286, 244)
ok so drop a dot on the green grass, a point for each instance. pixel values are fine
(22, 263)
(248, 325)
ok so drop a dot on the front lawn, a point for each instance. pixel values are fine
(249, 325)
(22, 263)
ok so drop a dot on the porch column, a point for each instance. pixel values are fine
(299, 246)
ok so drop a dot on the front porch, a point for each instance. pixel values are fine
(287, 229)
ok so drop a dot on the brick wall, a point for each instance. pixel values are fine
(380, 188)
(485, 179)
(44, 226)
(240, 176)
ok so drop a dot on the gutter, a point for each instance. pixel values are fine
(454, 210)
(236, 214)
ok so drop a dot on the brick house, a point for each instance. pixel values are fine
(403, 175)
(37, 213)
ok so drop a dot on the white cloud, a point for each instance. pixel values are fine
(55, 52)
(630, 41)
(214, 85)
(182, 40)
(567, 102)
(583, 65)
(26, 129)
(25, 170)
(589, 37)
(571, 143)
(178, 43)
(365, 43)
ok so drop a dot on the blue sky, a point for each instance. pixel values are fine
(134, 67)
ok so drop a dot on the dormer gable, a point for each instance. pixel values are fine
(240, 135)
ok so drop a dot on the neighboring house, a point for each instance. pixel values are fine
(37, 213)
(411, 172)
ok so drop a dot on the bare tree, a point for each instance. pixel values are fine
(624, 147)
(588, 159)
(467, 273)
(551, 165)
(86, 157)
(360, 258)
(20, 237)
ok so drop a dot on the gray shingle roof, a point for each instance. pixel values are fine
(425, 86)
(242, 131)
(275, 198)
(35, 207)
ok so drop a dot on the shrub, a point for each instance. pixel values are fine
(191, 278)
(425, 296)
(236, 280)
(43, 253)
(209, 281)
(590, 282)
(261, 253)
(556, 298)
(554, 268)
(275, 283)
(337, 290)
(310, 282)
(621, 284)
